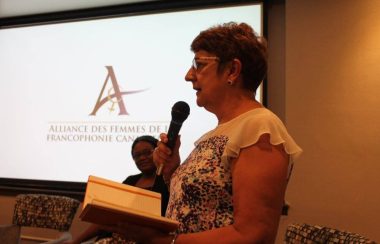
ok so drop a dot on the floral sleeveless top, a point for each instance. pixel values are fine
(201, 187)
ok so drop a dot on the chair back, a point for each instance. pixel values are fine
(45, 211)
(305, 233)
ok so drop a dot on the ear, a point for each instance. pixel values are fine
(235, 70)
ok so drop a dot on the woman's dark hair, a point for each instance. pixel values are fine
(146, 138)
(232, 40)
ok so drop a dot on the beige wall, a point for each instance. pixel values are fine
(333, 110)
(324, 81)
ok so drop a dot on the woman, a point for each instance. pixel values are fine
(142, 149)
(231, 187)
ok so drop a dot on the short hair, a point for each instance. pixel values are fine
(232, 40)
(146, 138)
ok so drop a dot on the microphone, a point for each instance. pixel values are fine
(180, 112)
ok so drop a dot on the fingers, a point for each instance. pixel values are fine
(177, 144)
(162, 148)
(161, 153)
(164, 158)
(164, 137)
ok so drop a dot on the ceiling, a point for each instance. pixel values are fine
(13, 8)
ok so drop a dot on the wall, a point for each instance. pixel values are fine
(333, 111)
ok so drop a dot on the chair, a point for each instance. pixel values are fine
(305, 233)
(45, 211)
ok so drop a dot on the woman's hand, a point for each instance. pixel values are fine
(163, 155)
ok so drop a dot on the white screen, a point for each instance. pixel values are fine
(52, 76)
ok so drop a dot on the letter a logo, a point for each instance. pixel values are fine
(115, 98)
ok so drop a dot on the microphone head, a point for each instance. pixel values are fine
(180, 111)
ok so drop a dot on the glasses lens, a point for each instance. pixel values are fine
(197, 66)
(146, 153)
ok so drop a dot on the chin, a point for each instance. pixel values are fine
(148, 171)
(200, 103)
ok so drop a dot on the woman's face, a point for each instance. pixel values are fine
(207, 82)
(142, 155)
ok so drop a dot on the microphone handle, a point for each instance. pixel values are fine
(173, 133)
(159, 169)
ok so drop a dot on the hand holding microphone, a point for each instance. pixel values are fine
(180, 112)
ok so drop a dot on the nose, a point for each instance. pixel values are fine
(190, 75)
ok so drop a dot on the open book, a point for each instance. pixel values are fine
(108, 202)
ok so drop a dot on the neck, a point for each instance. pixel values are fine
(235, 107)
(149, 174)
(146, 181)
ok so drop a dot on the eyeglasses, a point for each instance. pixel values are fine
(145, 153)
(197, 66)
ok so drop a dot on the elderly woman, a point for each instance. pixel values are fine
(231, 187)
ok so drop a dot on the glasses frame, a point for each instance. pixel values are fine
(145, 153)
(194, 64)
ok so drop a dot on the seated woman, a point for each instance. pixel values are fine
(142, 149)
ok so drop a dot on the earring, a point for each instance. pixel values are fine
(230, 82)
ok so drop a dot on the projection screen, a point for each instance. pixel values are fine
(76, 94)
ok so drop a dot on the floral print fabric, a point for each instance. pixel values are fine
(202, 189)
